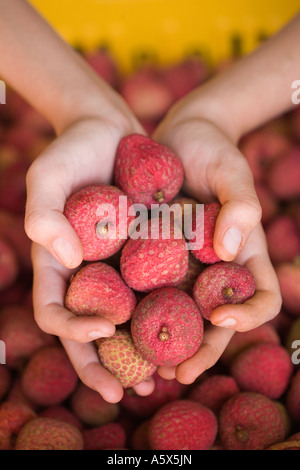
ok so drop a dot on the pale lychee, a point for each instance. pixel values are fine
(120, 356)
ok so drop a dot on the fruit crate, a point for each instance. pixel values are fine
(167, 30)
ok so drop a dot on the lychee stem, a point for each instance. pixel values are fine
(159, 196)
(242, 434)
(228, 292)
(164, 334)
(102, 229)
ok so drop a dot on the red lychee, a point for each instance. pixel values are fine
(183, 425)
(263, 368)
(222, 283)
(100, 220)
(251, 421)
(108, 436)
(49, 377)
(149, 172)
(205, 231)
(158, 258)
(167, 327)
(98, 289)
(13, 416)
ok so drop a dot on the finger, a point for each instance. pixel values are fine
(167, 373)
(232, 183)
(145, 388)
(214, 342)
(44, 220)
(266, 302)
(86, 362)
(49, 289)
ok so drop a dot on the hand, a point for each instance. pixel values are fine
(82, 155)
(214, 168)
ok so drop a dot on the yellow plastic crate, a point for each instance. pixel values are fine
(167, 30)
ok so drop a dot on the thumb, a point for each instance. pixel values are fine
(240, 212)
(45, 223)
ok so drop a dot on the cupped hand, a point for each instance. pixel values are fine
(83, 154)
(215, 169)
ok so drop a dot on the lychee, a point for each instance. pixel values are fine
(286, 445)
(48, 434)
(145, 406)
(214, 391)
(292, 399)
(21, 334)
(283, 239)
(12, 417)
(149, 172)
(183, 76)
(100, 219)
(146, 93)
(120, 356)
(204, 232)
(139, 439)
(222, 283)
(195, 268)
(98, 289)
(9, 265)
(167, 327)
(183, 425)
(263, 368)
(265, 333)
(109, 435)
(288, 275)
(49, 377)
(251, 421)
(5, 380)
(284, 175)
(90, 408)
(61, 413)
(158, 258)
(104, 64)
(292, 338)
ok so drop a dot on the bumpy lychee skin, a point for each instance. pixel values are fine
(222, 283)
(95, 215)
(147, 171)
(263, 368)
(214, 391)
(120, 356)
(49, 377)
(13, 416)
(164, 392)
(108, 436)
(90, 408)
(167, 327)
(265, 333)
(250, 421)
(98, 289)
(61, 413)
(21, 335)
(182, 425)
(292, 399)
(205, 233)
(49, 434)
(158, 258)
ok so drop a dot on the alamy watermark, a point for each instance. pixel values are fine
(296, 93)
(165, 221)
(2, 92)
(296, 354)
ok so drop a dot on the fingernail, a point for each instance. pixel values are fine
(94, 334)
(226, 323)
(64, 251)
(232, 240)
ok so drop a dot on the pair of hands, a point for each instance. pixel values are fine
(84, 154)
